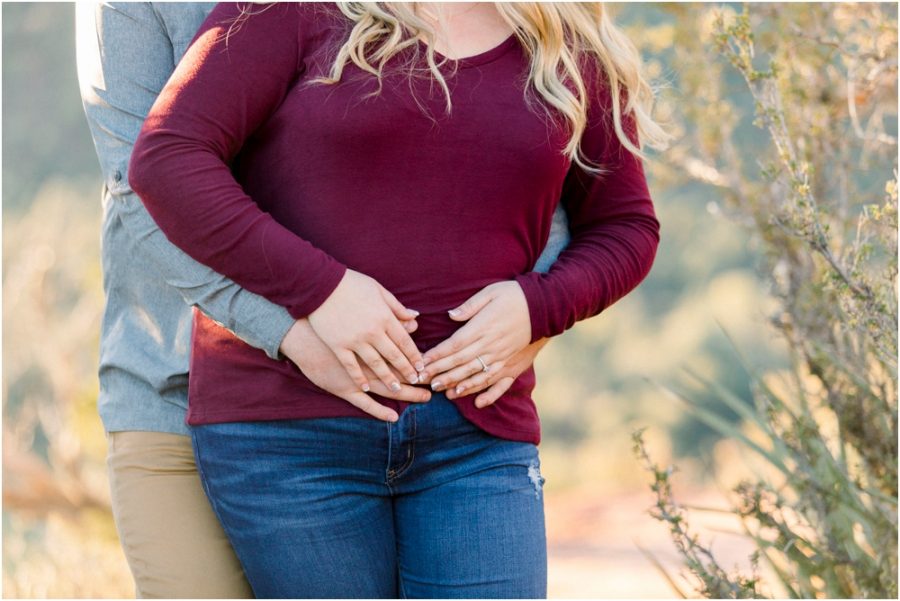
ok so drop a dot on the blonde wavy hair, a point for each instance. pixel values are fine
(557, 36)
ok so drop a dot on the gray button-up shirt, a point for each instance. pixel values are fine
(126, 53)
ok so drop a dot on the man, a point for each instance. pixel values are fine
(171, 538)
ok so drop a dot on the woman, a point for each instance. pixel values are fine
(302, 150)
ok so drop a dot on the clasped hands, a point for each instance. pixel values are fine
(358, 341)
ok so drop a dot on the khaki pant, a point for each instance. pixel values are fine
(172, 540)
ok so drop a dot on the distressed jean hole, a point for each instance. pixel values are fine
(534, 474)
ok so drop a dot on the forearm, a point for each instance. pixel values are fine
(226, 87)
(118, 87)
(615, 232)
(596, 270)
(251, 317)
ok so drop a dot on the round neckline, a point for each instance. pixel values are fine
(475, 59)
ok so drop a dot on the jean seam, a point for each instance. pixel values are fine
(388, 472)
(412, 448)
(402, 590)
(207, 488)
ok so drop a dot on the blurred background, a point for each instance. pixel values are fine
(706, 308)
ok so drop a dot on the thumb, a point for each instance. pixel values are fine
(468, 309)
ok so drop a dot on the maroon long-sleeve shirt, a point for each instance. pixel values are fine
(282, 184)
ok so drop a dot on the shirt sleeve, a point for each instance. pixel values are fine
(232, 78)
(614, 231)
(556, 242)
(124, 58)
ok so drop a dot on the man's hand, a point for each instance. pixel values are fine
(497, 381)
(304, 347)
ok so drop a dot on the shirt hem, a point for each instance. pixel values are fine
(218, 417)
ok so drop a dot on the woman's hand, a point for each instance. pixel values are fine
(361, 319)
(496, 381)
(499, 326)
(304, 347)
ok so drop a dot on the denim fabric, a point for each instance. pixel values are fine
(427, 507)
(126, 53)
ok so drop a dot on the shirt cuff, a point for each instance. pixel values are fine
(261, 324)
(531, 285)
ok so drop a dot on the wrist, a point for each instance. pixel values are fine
(295, 339)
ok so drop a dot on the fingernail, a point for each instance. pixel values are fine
(413, 379)
(365, 387)
(460, 388)
(395, 386)
(436, 385)
(453, 312)
(414, 312)
(419, 366)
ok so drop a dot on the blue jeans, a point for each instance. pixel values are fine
(427, 507)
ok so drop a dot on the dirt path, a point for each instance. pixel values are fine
(593, 545)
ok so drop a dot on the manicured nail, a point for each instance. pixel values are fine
(419, 366)
(414, 312)
(453, 312)
(436, 385)
(413, 379)
(395, 386)
(365, 387)
(460, 388)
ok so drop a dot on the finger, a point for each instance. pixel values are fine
(379, 366)
(460, 340)
(473, 383)
(410, 325)
(454, 378)
(459, 359)
(348, 360)
(492, 394)
(363, 401)
(400, 311)
(473, 305)
(410, 360)
(412, 394)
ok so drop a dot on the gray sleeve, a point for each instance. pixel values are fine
(558, 240)
(125, 57)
